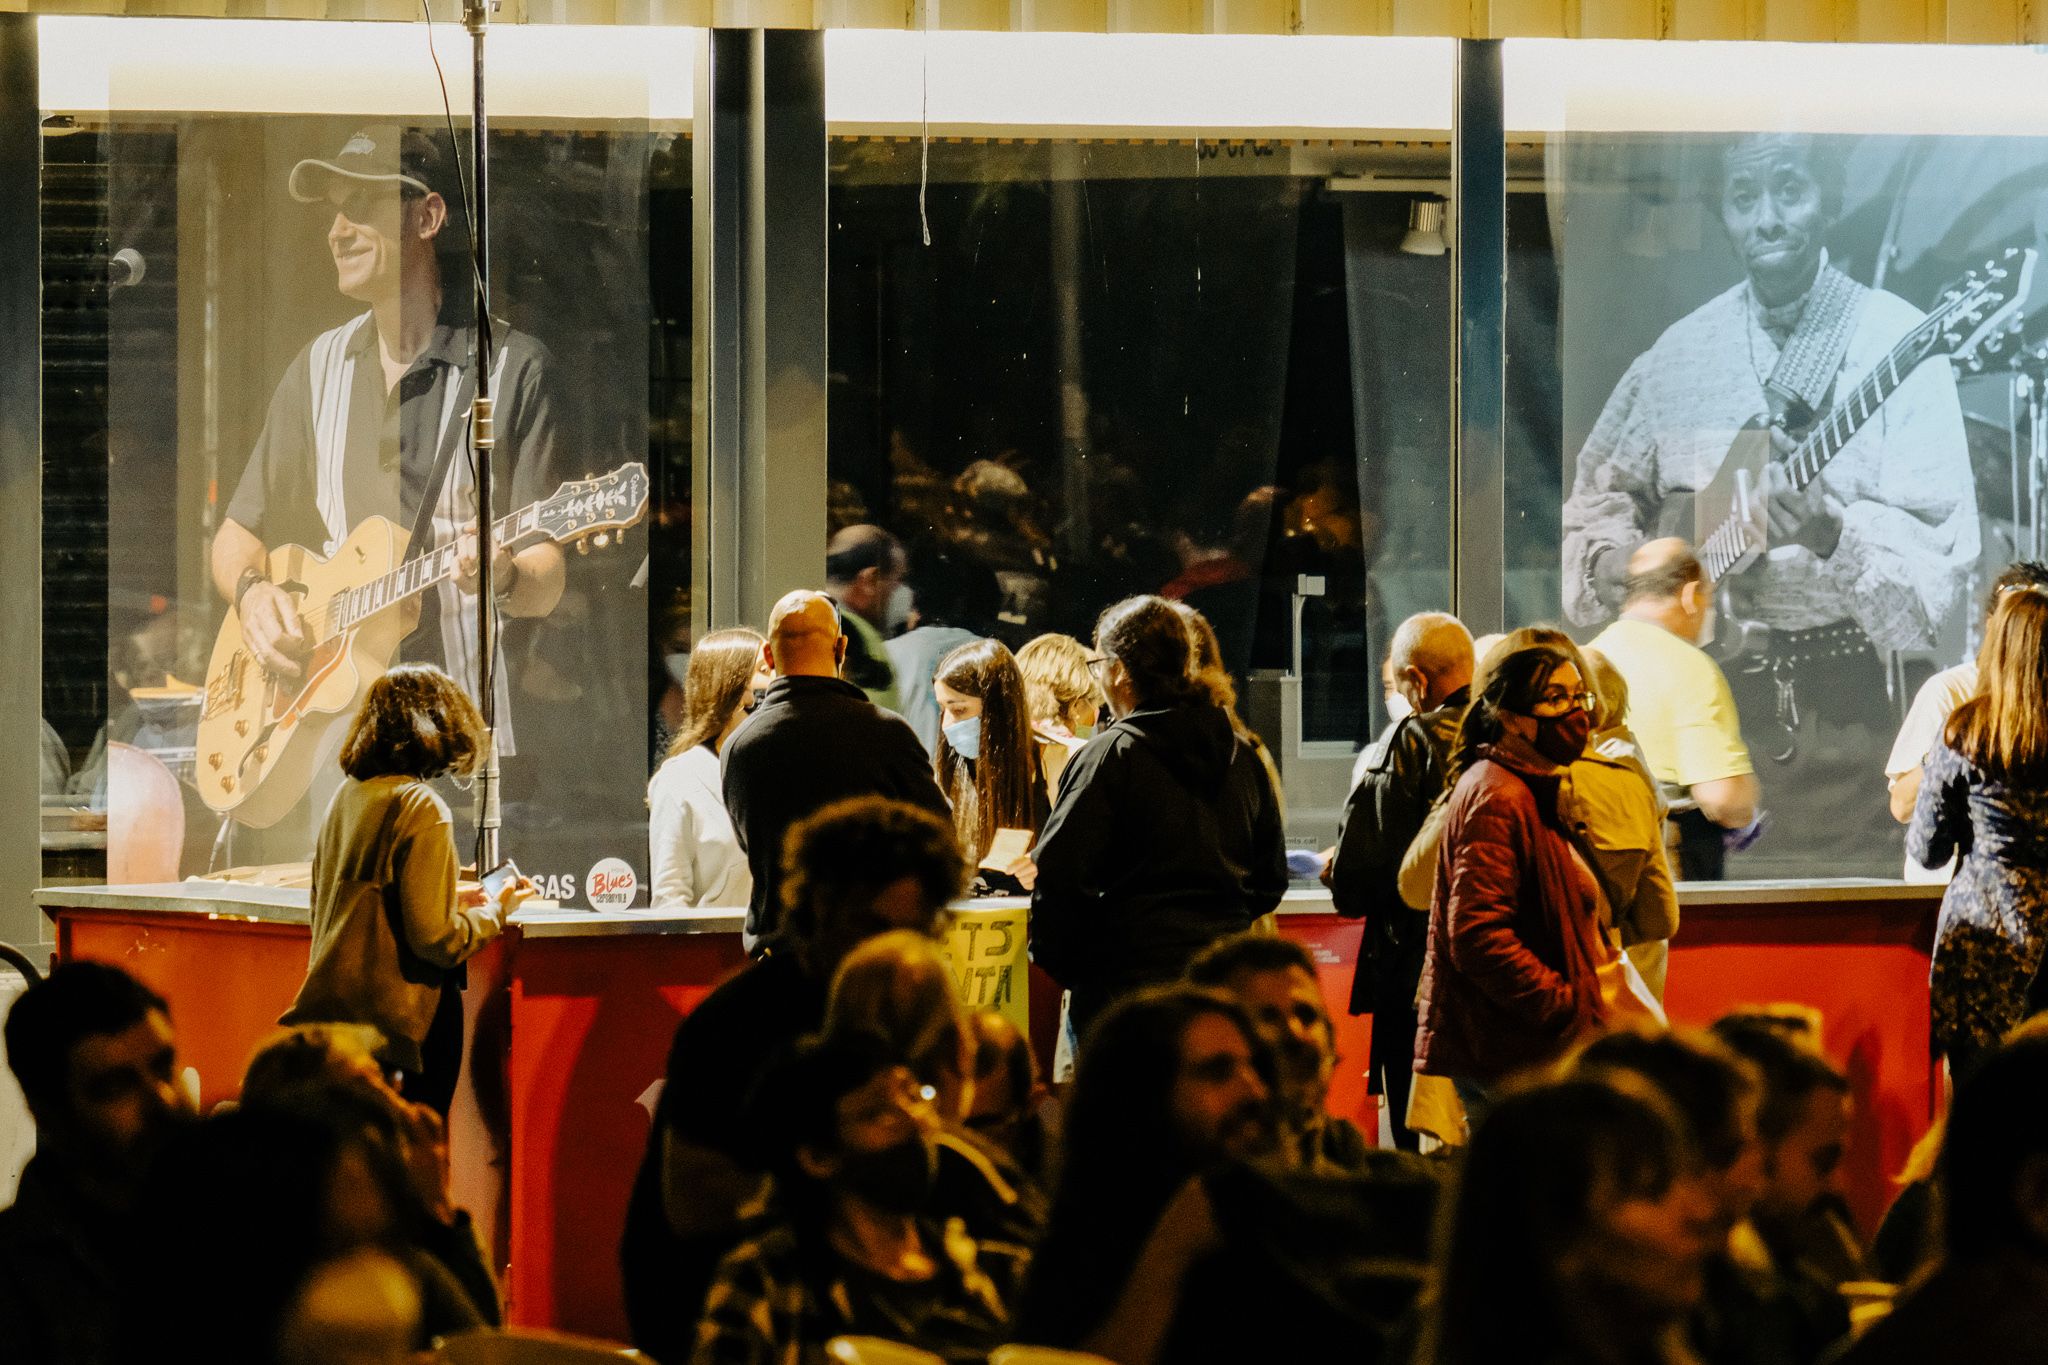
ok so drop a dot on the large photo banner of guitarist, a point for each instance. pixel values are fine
(1813, 359)
(334, 527)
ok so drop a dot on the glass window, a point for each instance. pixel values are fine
(1165, 338)
(1776, 297)
(262, 338)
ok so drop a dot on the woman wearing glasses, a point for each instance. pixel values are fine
(1511, 976)
(1166, 835)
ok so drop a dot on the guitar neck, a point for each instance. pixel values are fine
(430, 567)
(1851, 411)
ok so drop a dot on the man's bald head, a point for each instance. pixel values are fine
(1668, 586)
(1660, 570)
(803, 636)
(1431, 657)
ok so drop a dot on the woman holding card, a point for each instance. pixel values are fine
(989, 762)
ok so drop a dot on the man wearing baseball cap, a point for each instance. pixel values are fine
(371, 417)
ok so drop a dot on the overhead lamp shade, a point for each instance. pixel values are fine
(1425, 228)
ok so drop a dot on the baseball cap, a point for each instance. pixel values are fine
(377, 155)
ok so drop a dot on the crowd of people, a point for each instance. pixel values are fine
(841, 1147)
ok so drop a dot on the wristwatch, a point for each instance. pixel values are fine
(249, 579)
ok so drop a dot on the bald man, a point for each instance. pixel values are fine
(1430, 663)
(1680, 707)
(813, 740)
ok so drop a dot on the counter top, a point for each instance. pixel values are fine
(288, 905)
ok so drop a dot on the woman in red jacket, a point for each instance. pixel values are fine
(1510, 980)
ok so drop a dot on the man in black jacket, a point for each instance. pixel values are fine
(813, 740)
(93, 1050)
(1431, 663)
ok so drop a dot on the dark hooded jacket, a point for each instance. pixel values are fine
(1166, 836)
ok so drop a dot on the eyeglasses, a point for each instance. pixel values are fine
(1097, 663)
(1557, 699)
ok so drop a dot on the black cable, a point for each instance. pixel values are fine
(468, 204)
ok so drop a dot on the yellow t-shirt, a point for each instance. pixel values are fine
(1678, 704)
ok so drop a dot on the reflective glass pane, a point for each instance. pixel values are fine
(1182, 330)
(1793, 319)
(268, 272)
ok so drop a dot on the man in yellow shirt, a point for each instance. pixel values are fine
(1680, 707)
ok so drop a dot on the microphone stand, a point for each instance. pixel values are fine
(483, 437)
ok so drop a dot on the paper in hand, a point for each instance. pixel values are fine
(1006, 848)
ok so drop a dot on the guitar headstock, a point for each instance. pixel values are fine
(1980, 313)
(592, 511)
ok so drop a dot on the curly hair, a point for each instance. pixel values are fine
(415, 721)
(1150, 639)
(1056, 678)
(852, 849)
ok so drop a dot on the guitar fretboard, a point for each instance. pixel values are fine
(426, 569)
(1851, 411)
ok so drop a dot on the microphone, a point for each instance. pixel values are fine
(126, 267)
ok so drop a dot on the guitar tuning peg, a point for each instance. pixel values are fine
(582, 545)
(602, 539)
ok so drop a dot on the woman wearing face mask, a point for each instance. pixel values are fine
(1510, 979)
(696, 858)
(988, 762)
(1167, 834)
(1065, 702)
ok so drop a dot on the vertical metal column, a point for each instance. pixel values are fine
(1479, 349)
(21, 481)
(759, 379)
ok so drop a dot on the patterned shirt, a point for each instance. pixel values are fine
(778, 1301)
(1902, 483)
(1989, 941)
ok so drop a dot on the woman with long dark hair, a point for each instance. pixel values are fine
(695, 857)
(1984, 790)
(1167, 834)
(988, 762)
(390, 928)
(1580, 1234)
(1510, 979)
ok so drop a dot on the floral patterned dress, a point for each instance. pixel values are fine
(1994, 917)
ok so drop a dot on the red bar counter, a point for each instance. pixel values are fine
(570, 1016)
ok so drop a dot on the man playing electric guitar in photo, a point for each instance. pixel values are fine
(371, 418)
(1869, 556)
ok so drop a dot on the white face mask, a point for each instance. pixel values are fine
(1398, 707)
(896, 611)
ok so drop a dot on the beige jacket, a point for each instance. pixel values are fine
(1612, 801)
(386, 926)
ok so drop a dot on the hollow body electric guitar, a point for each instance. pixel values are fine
(262, 734)
(1728, 521)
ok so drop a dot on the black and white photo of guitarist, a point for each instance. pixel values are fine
(372, 416)
(1869, 557)
(1873, 553)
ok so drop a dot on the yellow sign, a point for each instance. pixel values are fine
(985, 949)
